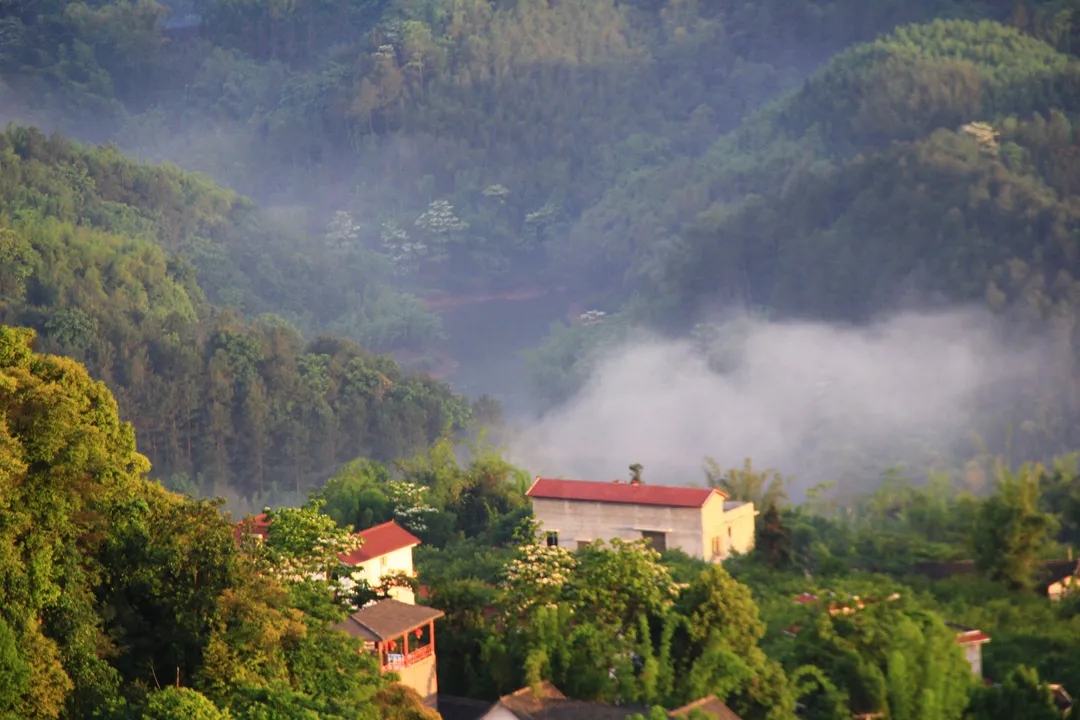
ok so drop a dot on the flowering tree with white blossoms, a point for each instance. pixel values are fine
(303, 544)
(442, 226)
(410, 503)
(538, 577)
(343, 233)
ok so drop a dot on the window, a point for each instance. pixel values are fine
(658, 540)
(716, 545)
(582, 544)
(382, 562)
(553, 539)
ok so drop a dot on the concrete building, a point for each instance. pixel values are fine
(702, 522)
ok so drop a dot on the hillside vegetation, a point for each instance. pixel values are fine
(118, 599)
(97, 258)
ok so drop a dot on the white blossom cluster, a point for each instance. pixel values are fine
(404, 252)
(439, 219)
(592, 317)
(410, 504)
(342, 232)
(498, 191)
(541, 217)
(538, 576)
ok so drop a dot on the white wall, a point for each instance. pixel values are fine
(576, 521)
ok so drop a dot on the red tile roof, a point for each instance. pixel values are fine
(620, 492)
(255, 525)
(972, 636)
(380, 540)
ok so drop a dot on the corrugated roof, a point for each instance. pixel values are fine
(380, 540)
(620, 492)
(388, 619)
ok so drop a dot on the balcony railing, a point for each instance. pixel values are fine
(399, 661)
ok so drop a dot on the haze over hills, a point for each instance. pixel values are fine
(667, 162)
(332, 241)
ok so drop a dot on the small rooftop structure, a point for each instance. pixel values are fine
(1062, 700)
(386, 620)
(971, 640)
(621, 493)
(380, 540)
(545, 702)
(710, 705)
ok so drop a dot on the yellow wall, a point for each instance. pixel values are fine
(421, 677)
(392, 562)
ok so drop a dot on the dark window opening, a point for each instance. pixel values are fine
(657, 540)
(553, 539)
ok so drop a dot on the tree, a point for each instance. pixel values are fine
(621, 582)
(304, 544)
(1011, 532)
(66, 460)
(180, 703)
(1021, 695)
(763, 488)
(14, 673)
(774, 539)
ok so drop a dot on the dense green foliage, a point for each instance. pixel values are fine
(110, 585)
(675, 629)
(529, 131)
(98, 258)
(656, 157)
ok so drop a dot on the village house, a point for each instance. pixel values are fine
(710, 705)
(702, 522)
(402, 636)
(545, 702)
(971, 641)
(400, 633)
(387, 551)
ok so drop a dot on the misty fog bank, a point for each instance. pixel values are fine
(813, 400)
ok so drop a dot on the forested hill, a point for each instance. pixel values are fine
(929, 160)
(819, 159)
(107, 260)
(475, 142)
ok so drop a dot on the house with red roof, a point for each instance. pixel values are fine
(702, 522)
(971, 641)
(255, 525)
(387, 550)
